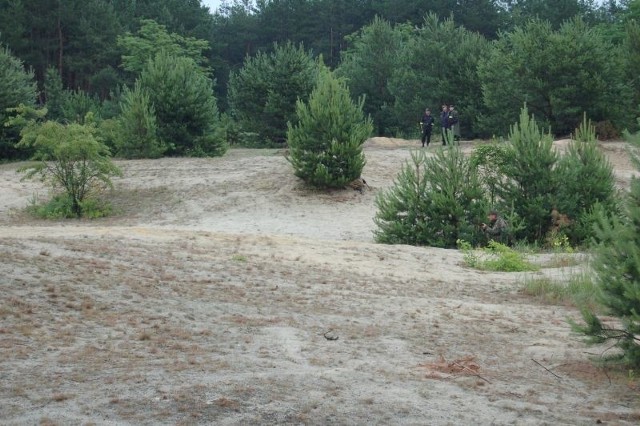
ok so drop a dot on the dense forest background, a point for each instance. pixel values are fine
(563, 58)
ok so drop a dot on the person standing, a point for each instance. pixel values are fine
(444, 123)
(454, 122)
(427, 126)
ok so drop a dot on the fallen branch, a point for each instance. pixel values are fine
(473, 373)
(546, 368)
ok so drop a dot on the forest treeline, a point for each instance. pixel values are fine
(563, 58)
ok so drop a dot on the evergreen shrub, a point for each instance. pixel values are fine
(434, 201)
(617, 274)
(325, 145)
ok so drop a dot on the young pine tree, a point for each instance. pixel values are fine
(617, 267)
(531, 183)
(434, 202)
(138, 135)
(186, 108)
(586, 180)
(325, 146)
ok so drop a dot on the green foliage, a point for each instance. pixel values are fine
(61, 207)
(263, 93)
(617, 273)
(531, 184)
(78, 104)
(325, 145)
(559, 74)
(495, 257)
(434, 201)
(17, 87)
(490, 161)
(367, 64)
(631, 47)
(54, 94)
(585, 179)
(505, 259)
(69, 157)
(138, 131)
(186, 109)
(153, 38)
(438, 65)
(68, 105)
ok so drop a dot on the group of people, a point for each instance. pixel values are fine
(449, 125)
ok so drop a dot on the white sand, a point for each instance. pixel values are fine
(225, 292)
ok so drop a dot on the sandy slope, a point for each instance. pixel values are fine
(226, 292)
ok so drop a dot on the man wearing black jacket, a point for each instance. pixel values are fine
(427, 126)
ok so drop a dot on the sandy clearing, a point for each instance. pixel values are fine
(228, 293)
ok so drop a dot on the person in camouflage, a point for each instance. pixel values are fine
(497, 229)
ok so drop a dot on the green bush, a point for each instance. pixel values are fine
(70, 158)
(586, 180)
(17, 87)
(490, 161)
(61, 207)
(434, 201)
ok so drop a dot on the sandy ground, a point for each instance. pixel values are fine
(225, 292)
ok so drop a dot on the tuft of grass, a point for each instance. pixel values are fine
(495, 257)
(239, 258)
(579, 291)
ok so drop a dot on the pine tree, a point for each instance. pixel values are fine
(54, 94)
(138, 136)
(325, 145)
(617, 267)
(263, 93)
(186, 109)
(17, 87)
(586, 180)
(435, 201)
(532, 183)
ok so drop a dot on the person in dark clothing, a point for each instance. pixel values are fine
(444, 123)
(427, 126)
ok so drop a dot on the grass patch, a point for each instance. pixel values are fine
(579, 291)
(239, 258)
(495, 257)
(60, 207)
